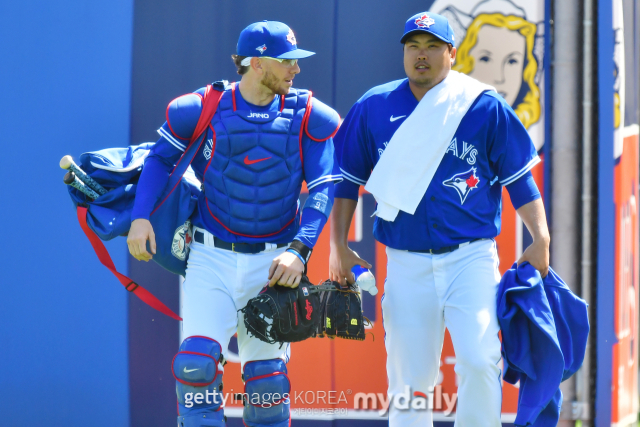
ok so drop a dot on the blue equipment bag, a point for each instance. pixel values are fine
(108, 216)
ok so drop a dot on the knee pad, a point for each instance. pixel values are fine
(199, 383)
(266, 393)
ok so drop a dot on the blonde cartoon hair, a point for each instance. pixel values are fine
(528, 111)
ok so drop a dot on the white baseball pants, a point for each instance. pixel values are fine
(218, 283)
(424, 294)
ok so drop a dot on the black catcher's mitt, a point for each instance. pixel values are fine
(282, 314)
(342, 312)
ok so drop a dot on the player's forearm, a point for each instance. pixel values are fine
(310, 227)
(153, 179)
(315, 213)
(341, 216)
(534, 218)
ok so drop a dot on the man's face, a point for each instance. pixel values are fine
(427, 59)
(278, 77)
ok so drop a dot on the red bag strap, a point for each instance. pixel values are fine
(104, 257)
(210, 103)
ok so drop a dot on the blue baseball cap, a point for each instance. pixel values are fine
(428, 22)
(270, 38)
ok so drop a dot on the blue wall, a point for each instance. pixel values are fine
(65, 79)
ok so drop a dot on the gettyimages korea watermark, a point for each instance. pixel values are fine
(266, 400)
(433, 400)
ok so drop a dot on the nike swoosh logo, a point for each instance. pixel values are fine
(393, 119)
(189, 370)
(250, 162)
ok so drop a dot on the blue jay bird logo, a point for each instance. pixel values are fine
(424, 21)
(463, 183)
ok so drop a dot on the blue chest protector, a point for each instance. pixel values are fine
(253, 179)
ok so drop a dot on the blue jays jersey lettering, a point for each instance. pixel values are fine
(253, 161)
(490, 149)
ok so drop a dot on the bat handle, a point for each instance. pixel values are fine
(67, 163)
(71, 179)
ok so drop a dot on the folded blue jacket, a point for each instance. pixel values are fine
(544, 337)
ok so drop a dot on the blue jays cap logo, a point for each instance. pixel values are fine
(291, 38)
(424, 21)
(274, 36)
(463, 183)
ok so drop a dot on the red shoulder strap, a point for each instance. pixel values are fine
(104, 257)
(210, 102)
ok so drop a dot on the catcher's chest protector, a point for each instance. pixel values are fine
(254, 175)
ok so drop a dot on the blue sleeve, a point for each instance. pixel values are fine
(352, 147)
(346, 189)
(183, 114)
(313, 220)
(154, 177)
(319, 162)
(318, 152)
(523, 190)
(512, 153)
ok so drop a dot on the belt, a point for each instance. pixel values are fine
(445, 249)
(208, 239)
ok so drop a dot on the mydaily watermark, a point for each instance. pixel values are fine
(433, 400)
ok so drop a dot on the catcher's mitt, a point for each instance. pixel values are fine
(282, 314)
(342, 312)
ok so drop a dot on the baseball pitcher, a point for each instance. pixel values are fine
(435, 150)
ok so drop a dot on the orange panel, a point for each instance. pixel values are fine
(625, 351)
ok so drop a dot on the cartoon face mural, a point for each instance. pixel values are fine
(500, 64)
(501, 45)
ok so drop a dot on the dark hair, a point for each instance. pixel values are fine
(237, 59)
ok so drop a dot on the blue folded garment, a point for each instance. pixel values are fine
(544, 336)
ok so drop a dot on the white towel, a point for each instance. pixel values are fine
(407, 166)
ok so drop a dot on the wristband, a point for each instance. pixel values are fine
(293, 251)
(302, 249)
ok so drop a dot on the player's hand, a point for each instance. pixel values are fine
(341, 261)
(141, 230)
(537, 254)
(286, 270)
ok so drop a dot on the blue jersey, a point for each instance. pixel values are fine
(490, 149)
